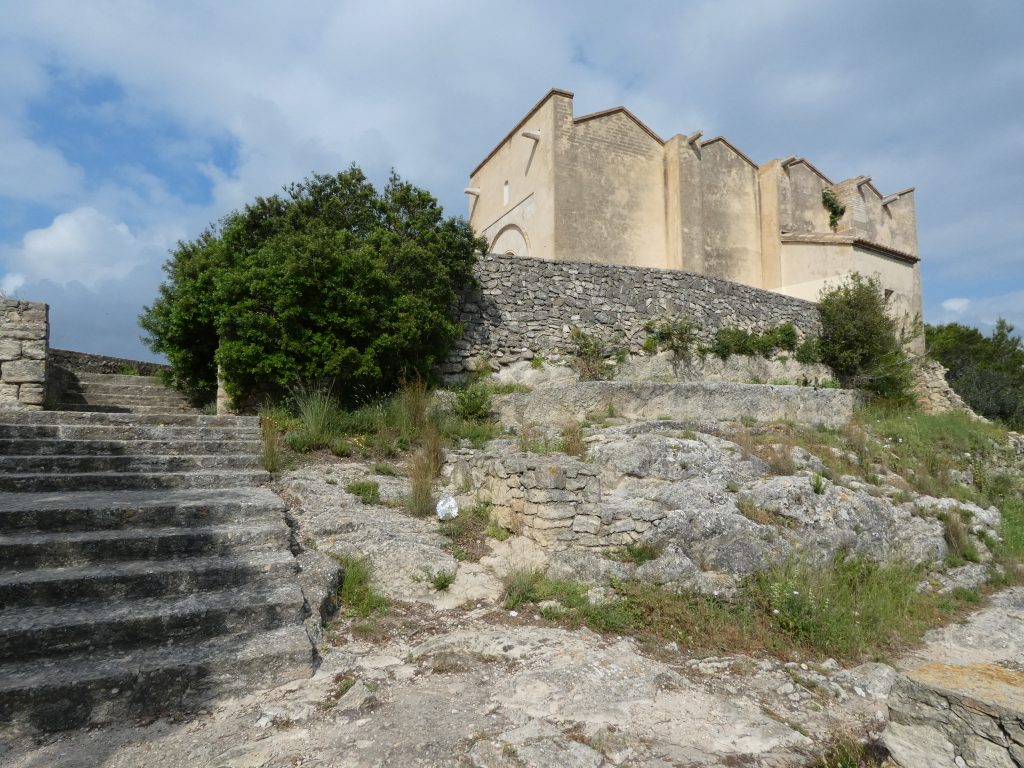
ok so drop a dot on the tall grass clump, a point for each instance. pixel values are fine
(423, 469)
(356, 593)
(272, 455)
(320, 419)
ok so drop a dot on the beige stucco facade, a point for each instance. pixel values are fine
(605, 188)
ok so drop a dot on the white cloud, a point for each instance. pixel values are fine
(82, 246)
(35, 173)
(10, 283)
(956, 306)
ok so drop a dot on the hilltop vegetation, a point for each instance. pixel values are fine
(986, 371)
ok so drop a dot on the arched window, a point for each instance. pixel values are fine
(511, 241)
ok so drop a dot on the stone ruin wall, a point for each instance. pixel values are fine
(525, 307)
(555, 501)
(24, 338)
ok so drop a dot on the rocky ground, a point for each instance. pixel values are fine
(452, 677)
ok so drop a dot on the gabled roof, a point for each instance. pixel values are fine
(627, 113)
(520, 124)
(723, 140)
(822, 176)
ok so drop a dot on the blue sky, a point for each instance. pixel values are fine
(126, 126)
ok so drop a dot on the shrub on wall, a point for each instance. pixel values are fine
(860, 340)
(331, 280)
(737, 341)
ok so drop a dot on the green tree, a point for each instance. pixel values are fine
(330, 280)
(861, 342)
(986, 371)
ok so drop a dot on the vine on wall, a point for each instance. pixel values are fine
(834, 207)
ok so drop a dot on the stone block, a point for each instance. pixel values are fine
(34, 349)
(9, 393)
(32, 394)
(23, 371)
(21, 331)
(10, 349)
(586, 524)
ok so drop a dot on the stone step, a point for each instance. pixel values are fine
(20, 551)
(124, 432)
(27, 633)
(116, 379)
(71, 418)
(127, 389)
(102, 687)
(107, 510)
(54, 447)
(144, 409)
(121, 398)
(112, 481)
(148, 463)
(134, 579)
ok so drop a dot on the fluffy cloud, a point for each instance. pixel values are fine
(82, 246)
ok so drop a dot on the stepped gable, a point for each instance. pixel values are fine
(142, 567)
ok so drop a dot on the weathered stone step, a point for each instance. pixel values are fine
(116, 379)
(93, 688)
(106, 510)
(112, 481)
(71, 418)
(124, 432)
(54, 447)
(149, 463)
(156, 397)
(127, 389)
(140, 578)
(95, 625)
(143, 409)
(20, 551)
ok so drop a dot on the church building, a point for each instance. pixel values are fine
(606, 188)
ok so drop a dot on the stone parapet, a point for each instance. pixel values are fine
(24, 338)
(524, 307)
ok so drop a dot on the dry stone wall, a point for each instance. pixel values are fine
(525, 307)
(24, 336)
(554, 500)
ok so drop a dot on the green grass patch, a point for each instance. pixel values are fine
(849, 609)
(356, 593)
(385, 469)
(638, 552)
(468, 532)
(367, 491)
(443, 579)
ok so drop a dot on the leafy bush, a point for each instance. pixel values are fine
(737, 341)
(592, 355)
(676, 335)
(332, 279)
(860, 341)
(809, 352)
(473, 402)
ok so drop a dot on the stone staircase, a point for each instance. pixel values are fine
(142, 568)
(115, 393)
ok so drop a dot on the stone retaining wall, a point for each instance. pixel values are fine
(558, 405)
(86, 362)
(553, 500)
(526, 307)
(24, 336)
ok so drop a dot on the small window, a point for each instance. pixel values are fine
(505, 194)
(888, 293)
